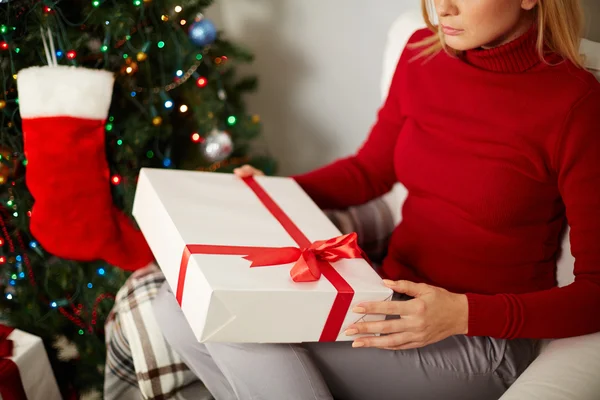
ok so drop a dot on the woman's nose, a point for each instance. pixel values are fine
(446, 8)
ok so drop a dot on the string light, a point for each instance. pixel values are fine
(71, 54)
(167, 162)
(21, 275)
(157, 121)
(1, 242)
(231, 120)
(161, 44)
(3, 29)
(47, 10)
(196, 138)
(109, 127)
(199, 57)
(59, 53)
(133, 93)
(137, 3)
(104, 48)
(168, 102)
(183, 108)
(81, 332)
(2, 104)
(2, 260)
(19, 258)
(9, 296)
(141, 56)
(178, 9)
(255, 119)
(179, 73)
(101, 271)
(150, 154)
(183, 22)
(13, 282)
(89, 285)
(116, 179)
(33, 244)
(120, 142)
(13, 276)
(202, 82)
(96, 3)
(53, 304)
(3, 45)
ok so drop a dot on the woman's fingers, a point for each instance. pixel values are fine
(246, 171)
(410, 307)
(393, 341)
(382, 327)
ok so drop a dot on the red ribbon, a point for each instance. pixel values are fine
(311, 260)
(11, 386)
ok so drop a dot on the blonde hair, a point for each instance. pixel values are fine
(560, 30)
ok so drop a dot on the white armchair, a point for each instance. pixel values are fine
(566, 369)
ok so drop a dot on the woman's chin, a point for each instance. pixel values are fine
(459, 43)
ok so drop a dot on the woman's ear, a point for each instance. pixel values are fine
(528, 4)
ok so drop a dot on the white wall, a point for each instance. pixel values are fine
(319, 63)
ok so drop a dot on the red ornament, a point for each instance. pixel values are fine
(71, 54)
(202, 82)
(116, 179)
(3, 45)
(196, 138)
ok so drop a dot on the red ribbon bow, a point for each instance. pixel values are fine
(310, 261)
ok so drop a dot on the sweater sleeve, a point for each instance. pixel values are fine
(370, 172)
(571, 310)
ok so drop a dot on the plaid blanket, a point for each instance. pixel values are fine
(141, 365)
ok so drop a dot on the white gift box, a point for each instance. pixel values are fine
(222, 297)
(30, 356)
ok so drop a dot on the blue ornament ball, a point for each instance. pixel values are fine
(203, 32)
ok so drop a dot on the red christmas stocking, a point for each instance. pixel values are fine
(64, 110)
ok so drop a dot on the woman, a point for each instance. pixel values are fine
(496, 140)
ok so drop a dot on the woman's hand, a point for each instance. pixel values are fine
(247, 171)
(433, 315)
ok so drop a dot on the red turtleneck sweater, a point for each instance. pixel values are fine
(497, 150)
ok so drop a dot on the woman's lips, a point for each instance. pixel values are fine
(448, 30)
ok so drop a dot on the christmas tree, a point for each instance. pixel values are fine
(177, 103)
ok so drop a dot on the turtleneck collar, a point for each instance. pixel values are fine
(519, 55)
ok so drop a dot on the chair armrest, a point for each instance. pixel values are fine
(565, 369)
(373, 222)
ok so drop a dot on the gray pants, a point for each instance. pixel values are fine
(458, 368)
